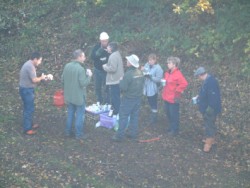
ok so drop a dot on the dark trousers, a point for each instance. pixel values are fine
(129, 113)
(152, 101)
(100, 86)
(209, 124)
(28, 97)
(172, 111)
(114, 93)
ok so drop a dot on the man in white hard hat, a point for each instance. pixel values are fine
(100, 57)
(131, 86)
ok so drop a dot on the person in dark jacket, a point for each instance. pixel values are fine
(100, 56)
(209, 102)
(131, 86)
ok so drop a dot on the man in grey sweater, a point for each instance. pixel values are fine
(115, 71)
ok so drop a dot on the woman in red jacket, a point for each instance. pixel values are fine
(175, 85)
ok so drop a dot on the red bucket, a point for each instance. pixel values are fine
(58, 98)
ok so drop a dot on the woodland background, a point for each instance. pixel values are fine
(210, 33)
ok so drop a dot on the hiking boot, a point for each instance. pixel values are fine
(35, 126)
(208, 144)
(30, 132)
(116, 139)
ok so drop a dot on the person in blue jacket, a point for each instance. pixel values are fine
(209, 102)
(153, 75)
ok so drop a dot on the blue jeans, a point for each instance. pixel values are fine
(78, 113)
(28, 97)
(152, 101)
(114, 91)
(129, 107)
(100, 86)
(172, 111)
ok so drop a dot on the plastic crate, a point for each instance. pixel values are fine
(92, 117)
(107, 121)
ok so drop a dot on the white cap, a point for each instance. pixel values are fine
(104, 36)
(133, 60)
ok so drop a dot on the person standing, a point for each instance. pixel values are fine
(75, 80)
(153, 73)
(115, 71)
(209, 102)
(27, 82)
(131, 86)
(175, 86)
(100, 56)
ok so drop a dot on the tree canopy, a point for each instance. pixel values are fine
(200, 30)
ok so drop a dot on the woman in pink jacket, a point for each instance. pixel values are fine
(175, 85)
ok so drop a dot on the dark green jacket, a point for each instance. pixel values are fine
(75, 81)
(132, 83)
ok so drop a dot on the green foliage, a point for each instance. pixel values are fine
(199, 30)
(42, 25)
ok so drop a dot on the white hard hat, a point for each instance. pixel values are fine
(104, 36)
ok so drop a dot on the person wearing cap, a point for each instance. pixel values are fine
(75, 79)
(100, 56)
(153, 75)
(131, 86)
(115, 71)
(171, 94)
(209, 102)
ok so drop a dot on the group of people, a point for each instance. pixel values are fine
(123, 90)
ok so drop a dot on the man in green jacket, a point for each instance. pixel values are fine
(131, 86)
(75, 80)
